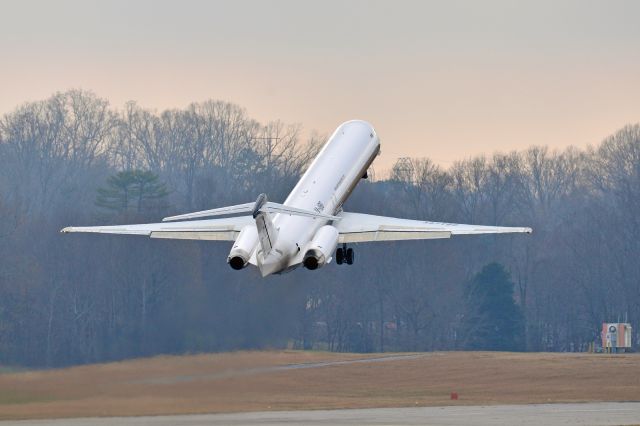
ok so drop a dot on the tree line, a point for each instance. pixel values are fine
(72, 159)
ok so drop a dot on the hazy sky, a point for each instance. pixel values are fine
(446, 79)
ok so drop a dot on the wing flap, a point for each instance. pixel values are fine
(386, 235)
(202, 236)
(358, 227)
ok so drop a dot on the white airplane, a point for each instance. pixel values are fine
(309, 226)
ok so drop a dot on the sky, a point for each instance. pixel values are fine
(446, 80)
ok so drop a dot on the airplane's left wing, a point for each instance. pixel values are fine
(226, 229)
(358, 228)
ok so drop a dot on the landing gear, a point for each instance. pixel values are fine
(344, 254)
(349, 256)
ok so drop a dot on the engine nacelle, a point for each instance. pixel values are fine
(322, 245)
(243, 247)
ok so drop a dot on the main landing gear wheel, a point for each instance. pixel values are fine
(349, 257)
(344, 254)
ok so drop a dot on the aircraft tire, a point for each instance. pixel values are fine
(350, 256)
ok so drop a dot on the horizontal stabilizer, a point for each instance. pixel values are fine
(239, 208)
(267, 207)
(270, 207)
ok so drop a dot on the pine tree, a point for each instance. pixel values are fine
(131, 190)
(492, 320)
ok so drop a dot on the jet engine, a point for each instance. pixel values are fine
(322, 245)
(243, 247)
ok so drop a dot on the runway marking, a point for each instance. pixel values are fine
(259, 370)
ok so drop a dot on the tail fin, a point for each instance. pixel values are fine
(267, 233)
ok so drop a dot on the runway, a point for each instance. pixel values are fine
(600, 414)
(275, 369)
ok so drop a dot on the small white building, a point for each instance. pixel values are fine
(616, 337)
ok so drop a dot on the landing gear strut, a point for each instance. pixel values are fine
(344, 254)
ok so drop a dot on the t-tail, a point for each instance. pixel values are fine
(267, 233)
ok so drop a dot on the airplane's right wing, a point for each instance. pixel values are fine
(358, 228)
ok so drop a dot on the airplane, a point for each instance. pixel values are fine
(310, 228)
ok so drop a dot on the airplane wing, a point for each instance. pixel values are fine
(226, 229)
(359, 228)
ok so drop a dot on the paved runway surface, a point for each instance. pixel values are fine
(606, 413)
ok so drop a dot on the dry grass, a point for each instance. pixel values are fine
(252, 381)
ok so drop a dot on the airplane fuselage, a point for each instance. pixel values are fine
(323, 188)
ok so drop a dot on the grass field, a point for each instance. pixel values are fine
(290, 380)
